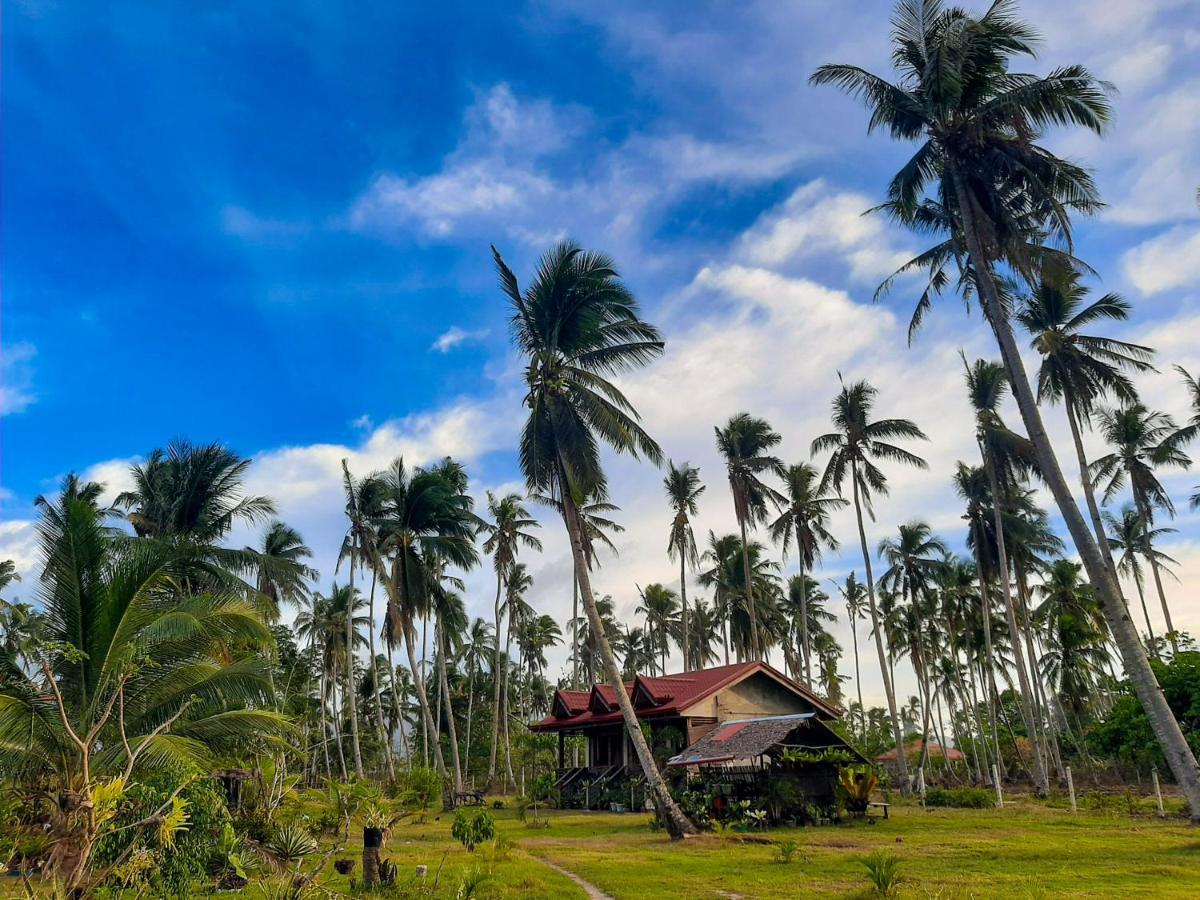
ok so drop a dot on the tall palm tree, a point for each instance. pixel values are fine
(1001, 199)
(1128, 534)
(1080, 369)
(856, 444)
(575, 324)
(451, 623)
(803, 604)
(804, 520)
(1007, 458)
(193, 490)
(282, 575)
(518, 612)
(913, 559)
(683, 488)
(478, 652)
(660, 606)
(425, 521)
(744, 443)
(1141, 440)
(855, 597)
(703, 635)
(510, 528)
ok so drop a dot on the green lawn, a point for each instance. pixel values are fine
(1024, 850)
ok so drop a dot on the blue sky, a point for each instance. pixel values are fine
(268, 224)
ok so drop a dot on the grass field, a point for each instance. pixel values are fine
(1024, 850)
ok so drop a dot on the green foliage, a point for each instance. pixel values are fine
(786, 851)
(473, 829)
(960, 797)
(419, 788)
(883, 871)
(470, 883)
(833, 755)
(290, 844)
(855, 784)
(779, 796)
(1125, 733)
(179, 856)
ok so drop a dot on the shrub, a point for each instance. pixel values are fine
(883, 871)
(173, 865)
(960, 797)
(473, 830)
(855, 784)
(290, 844)
(420, 787)
(786, 851)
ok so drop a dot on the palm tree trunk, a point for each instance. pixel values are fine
(1041, 784)
(383, 738)
(470, 715)
(403, 618)
(748, 575)
(683, 612)
(862, 712)
(508, 766)
(440, 639)
(1089, 490)
(325, 737)
(901, 761)
(497, 679)
(337, 725)
(671, 816)
(1143, 509)
(351, 701)
(1137, 580)
(804, 620)
(1170, 737)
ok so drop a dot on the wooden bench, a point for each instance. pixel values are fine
(469, 798)
(884, 806)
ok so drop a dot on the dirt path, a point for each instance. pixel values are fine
(593, 892)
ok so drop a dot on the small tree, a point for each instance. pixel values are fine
(471, 830)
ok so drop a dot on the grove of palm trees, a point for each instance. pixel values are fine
(186, 710)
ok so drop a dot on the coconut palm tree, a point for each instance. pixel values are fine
(856, 444)
(683, 488)
(913, 560)
(451, 623)
(8, 574)
(510, 528)
(855, 597)
(589, 643)
(803, 605)
(138, 671)
(426, 520)
(193, 490)
(703, 635)
(1080, 369)
(478, 653)
(575, 324)
(660, 606)
(1142, 441)
(1008, 458)
(282, 576)
(744, 443)
(804, 520)
(1128, 534)
(518, 611)
(980, 178)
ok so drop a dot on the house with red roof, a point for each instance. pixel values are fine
(679, 709)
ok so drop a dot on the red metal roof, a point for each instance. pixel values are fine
(664, 695)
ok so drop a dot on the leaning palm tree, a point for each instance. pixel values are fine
(856, 444)
(805, 521)
(1142, 440)
(510, 528)
(1128, 534)
(1008, 458)
(575, 324)
(1080, 369)
(980, 178)
(744, 443)
(683, 488)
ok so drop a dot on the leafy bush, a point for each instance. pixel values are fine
(855, 784)
(960, 797)
(419, 788)
(290, 844)
(883, 871)
(177, 860)
(471, 830)
(786, 851)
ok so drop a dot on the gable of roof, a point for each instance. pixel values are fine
(569, 703)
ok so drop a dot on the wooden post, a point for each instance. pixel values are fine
(1162, 813)
(999, 792)
(1071, 790)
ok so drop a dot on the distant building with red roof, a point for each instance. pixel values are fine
(913, 749)
(685, 706)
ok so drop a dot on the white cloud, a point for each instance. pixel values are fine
(815, 220)
(16, 378)
(455, 336)
(1170, 260)
(19, 542)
